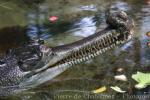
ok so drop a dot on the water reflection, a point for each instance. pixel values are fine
(127, 45)
(36, 28)
(86, 27)
(121, 5)
(145, 27)
(89, 8)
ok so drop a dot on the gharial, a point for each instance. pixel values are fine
(31, 65)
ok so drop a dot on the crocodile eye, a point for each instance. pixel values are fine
(22, 66)
(20, 63)
(41, 41)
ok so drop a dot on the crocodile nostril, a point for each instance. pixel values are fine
(22, 66)
(123, 15)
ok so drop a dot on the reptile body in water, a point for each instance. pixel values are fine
(34, 64)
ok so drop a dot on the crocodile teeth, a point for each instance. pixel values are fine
(103, 50)
(75, 61)
(80, 60)
(92, 55)
(97, 53)
(87, 58)
(96, 47)
(70, 63)
(106, 49)
(84, 59)
(100, 51)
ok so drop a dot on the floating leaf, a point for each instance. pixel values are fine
(120, 69)
(143, 79)
(99, 90)
(117, 89)
(120, 77)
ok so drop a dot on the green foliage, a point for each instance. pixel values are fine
(143, 79)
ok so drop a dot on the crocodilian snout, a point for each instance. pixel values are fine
(62, 57)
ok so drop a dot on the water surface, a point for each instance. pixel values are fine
(23, 20)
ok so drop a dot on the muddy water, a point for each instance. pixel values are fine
(21, 21)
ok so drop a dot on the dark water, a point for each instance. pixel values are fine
(23, 20)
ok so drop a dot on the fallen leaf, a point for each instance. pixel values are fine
(99, 90)
(117, 89)
(120, 70)
(120, 77)
(143, 79)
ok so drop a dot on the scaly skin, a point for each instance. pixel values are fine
(43, 64)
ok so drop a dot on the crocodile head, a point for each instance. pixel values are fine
(32, 65)
(58, 59)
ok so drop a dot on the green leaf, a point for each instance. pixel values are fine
(143, 79)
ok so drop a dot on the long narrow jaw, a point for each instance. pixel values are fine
(59, 59)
